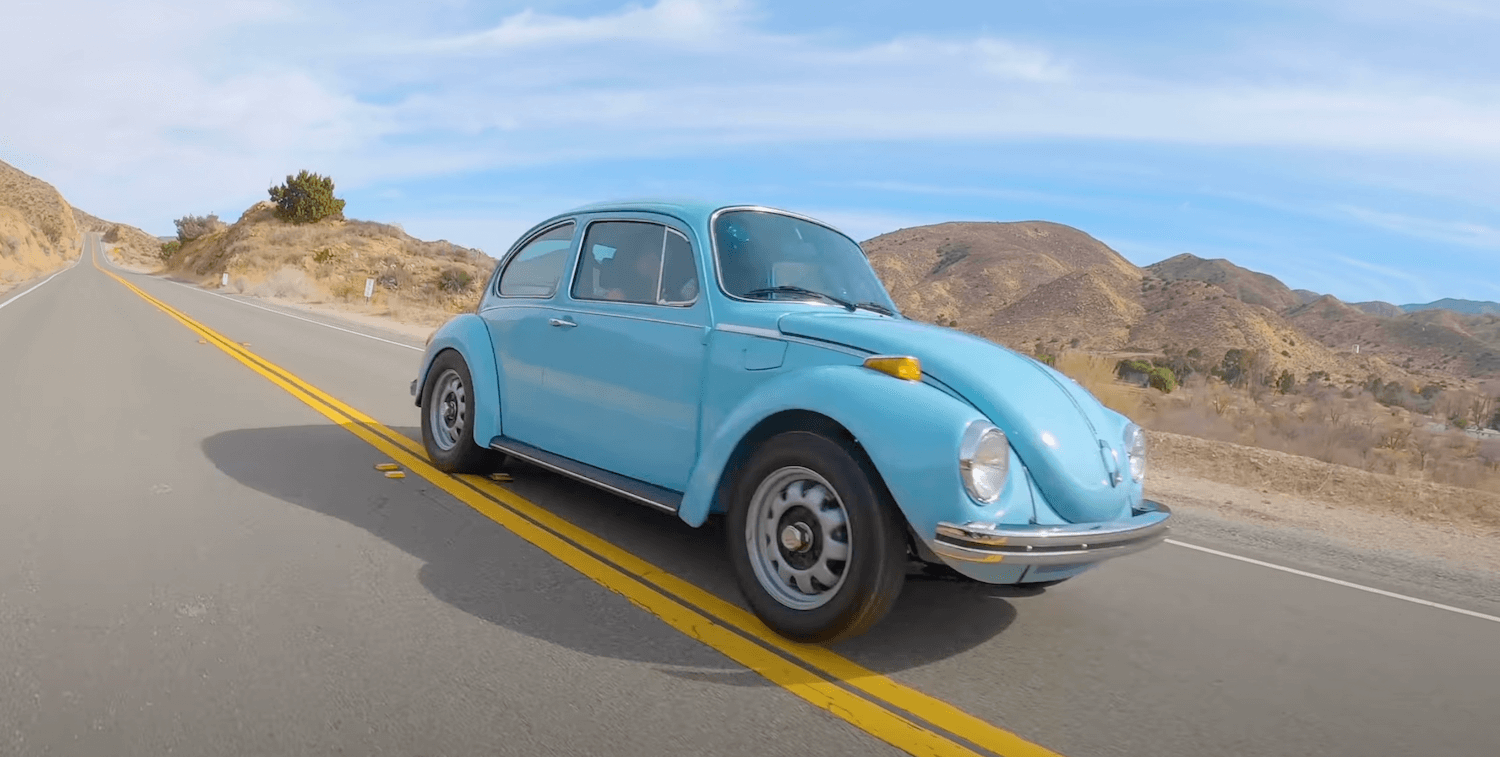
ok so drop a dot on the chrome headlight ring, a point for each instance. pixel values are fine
(1135, 451)
(984, 461)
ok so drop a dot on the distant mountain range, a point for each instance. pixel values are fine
(1039, 287)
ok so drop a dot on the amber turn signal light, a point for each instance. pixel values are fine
(908, 368)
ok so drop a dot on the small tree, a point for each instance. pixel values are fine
(306, 198)
(168, 249)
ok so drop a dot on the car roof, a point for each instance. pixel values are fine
(688, 210)
(682, 208)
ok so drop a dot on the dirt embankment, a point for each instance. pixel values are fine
(38, 233)
(327, 263)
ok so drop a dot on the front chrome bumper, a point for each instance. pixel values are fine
(1073, 544)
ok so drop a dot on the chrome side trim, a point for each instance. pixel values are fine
(629, 488)
(750, 330)
(1054, 545)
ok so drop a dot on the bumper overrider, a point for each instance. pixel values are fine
(1072, 544)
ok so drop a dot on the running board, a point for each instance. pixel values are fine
(629, 488)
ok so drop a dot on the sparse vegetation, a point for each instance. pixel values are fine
(168, 249)
(306, 198)
(1351, 427)
(193, 227)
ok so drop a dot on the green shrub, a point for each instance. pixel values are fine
(168, 249)
(455, 280)
(306, 198)
(1163, 379)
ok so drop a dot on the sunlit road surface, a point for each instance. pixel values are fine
(198, 557)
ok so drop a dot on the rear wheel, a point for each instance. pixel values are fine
(448, 419)
(818, 547)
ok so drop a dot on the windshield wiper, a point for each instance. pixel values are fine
(875, 306)
(790, 289)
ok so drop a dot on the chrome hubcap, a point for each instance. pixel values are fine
(797, 535)
(448, 416)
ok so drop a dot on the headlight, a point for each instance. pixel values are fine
(984, 461)
(1135, 449)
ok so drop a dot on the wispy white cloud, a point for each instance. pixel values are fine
(1452, 232)
(1414, 284)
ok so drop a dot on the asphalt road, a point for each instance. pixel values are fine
(195, 558)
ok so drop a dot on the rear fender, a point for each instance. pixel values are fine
(467, 335)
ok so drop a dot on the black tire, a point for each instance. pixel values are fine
(451, 448)
(873, 575)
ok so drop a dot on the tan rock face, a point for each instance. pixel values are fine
(41, 205)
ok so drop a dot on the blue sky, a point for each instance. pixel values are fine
(1345, 146)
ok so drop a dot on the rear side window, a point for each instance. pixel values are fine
(536, 269)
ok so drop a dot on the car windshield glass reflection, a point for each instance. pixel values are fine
(771, 256)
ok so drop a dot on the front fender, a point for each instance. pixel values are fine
(910, 431)
(468, 335)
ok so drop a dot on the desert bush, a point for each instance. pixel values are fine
(306, 198)
(12, 244)
(168, 249)
(1163, 380)
(193, 227)
(455, 280)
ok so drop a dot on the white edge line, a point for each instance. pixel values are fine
(39, 284)
(1372, 590)
(297, 317)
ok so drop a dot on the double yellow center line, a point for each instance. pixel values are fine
(900, 716)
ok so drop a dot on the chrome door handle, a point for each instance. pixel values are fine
(562, 322)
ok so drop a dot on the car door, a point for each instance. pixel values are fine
(625, 371)
(518, 316)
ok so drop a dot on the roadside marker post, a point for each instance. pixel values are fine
(224, 282)
(369, 289)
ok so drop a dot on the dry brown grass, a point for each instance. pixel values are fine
(1333, 435)
(1096, 373)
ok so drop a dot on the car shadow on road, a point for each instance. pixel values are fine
(480, 567)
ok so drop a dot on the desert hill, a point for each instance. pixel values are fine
(38, 233)
(331, 259)
(1430, 341)
(1248, 286)
(1041, 287)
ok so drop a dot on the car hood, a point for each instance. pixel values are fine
(1063, 435)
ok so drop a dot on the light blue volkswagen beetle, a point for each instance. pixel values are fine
(748, 362)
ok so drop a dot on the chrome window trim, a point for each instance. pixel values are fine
(578, 262)
(713, 243)
(627, 316)
(516, 250)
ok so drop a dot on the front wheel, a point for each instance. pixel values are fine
(448, 419)
(817, 545)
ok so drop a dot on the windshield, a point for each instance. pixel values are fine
(764, 255)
